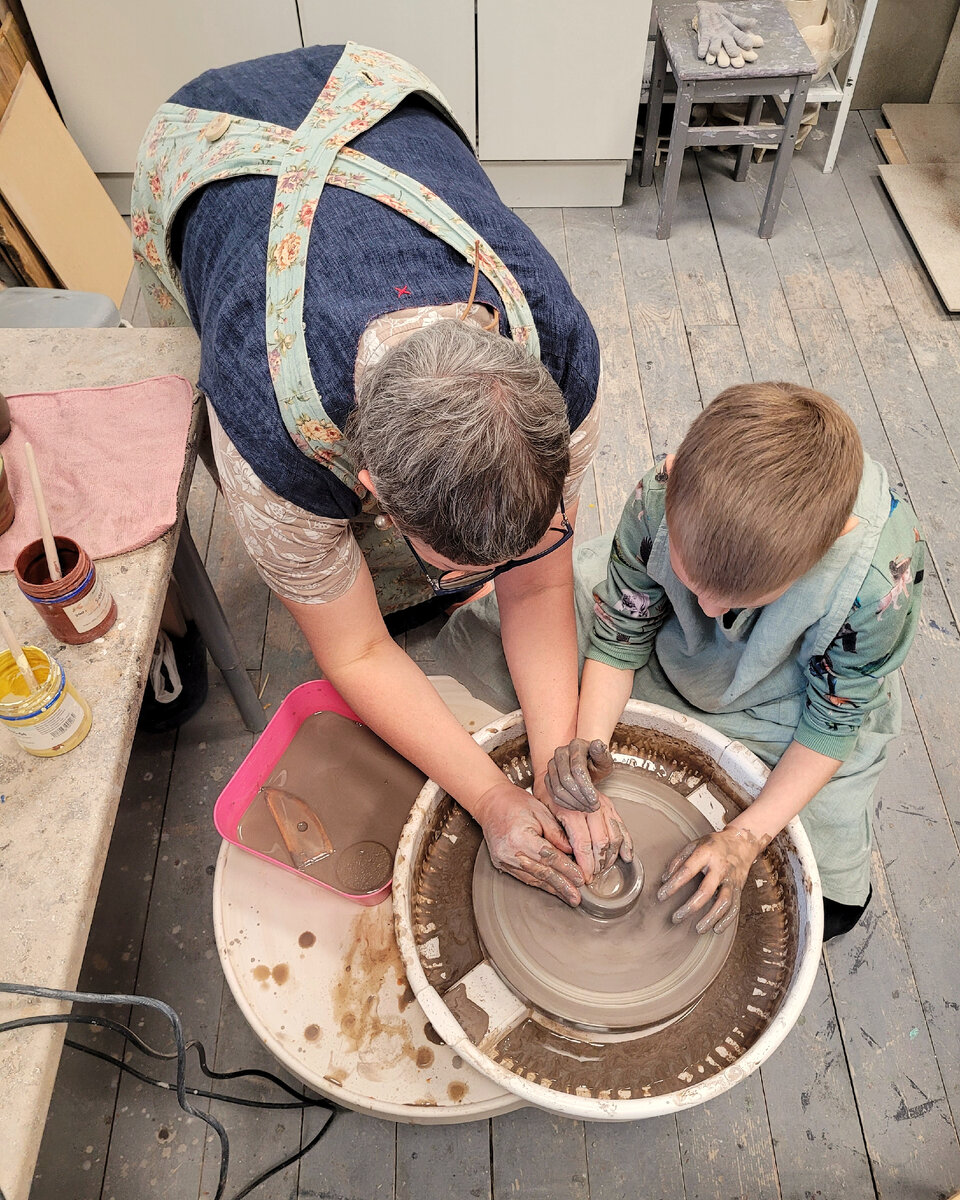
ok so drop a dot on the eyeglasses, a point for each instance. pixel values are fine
(447, 583)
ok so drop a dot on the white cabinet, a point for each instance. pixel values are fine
(548, 89)
(558, 93)
(113, 62)
(435, 35)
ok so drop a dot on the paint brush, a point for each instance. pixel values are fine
(13, 643)
(49, 545)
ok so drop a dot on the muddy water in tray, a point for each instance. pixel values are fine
(334, 805)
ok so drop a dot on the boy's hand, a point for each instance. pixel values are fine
(598, 838)
(526, 840)
(574, 770)
(725, 858)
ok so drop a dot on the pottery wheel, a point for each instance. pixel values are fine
(622, 973)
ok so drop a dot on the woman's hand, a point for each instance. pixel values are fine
(526, 840)
(725, 858)
(574, 771)
(598, 838)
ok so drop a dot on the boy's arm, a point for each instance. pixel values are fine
(725, 857)
(629, 609)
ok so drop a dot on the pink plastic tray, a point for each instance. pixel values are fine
(305, 700)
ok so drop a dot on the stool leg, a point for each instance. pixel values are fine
(791, 124)
(194, 582)
(651, 128)
(744, 153)
(678, 143)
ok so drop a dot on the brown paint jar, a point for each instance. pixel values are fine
(4, 418)
(7, 510)
(76, 608)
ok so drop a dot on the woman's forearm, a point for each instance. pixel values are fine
(539, 634)
(792, 784)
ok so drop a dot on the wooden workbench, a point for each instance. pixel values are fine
(56, 814)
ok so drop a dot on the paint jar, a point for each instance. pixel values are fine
(49, 721)
(4, 418)
(7, 510)
(76, 608)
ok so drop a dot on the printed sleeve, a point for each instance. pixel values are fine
(848, 680)
(628, 606)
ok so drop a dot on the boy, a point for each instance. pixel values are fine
(766, 581)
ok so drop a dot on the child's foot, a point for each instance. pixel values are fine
(841, 918)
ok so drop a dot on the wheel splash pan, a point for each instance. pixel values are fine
(741, 1018)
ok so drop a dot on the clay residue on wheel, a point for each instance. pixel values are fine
(728, 1019)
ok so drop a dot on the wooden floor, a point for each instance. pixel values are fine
(863, 1099)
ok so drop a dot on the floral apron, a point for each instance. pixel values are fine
(743, 686)
(186, 148)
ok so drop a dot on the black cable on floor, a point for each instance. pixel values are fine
(182, 1090)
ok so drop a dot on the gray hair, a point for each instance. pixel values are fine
(467, 440)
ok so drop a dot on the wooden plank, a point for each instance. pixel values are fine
(667, 376)
(596, 279)
(726, 1147)
(921, 857)
(810, 1105)
(892, 150)
(932, 334)
(435, 1162)
(763, 315)
(931, 671)
(73, 1153)
(355, 1159)
(899, 1092)
(156, 1149)
(23, 255)
(13, 58)
(539, 1156)
(57, 198)
(803, 273)
(697, 269)
(719, 359)
(924, 194)
(912, 423)
(641, 1159)
(926, 132)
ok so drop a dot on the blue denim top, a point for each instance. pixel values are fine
(361, 255)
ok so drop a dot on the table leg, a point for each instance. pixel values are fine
(791, 125)
(204, 605)
(651, 128)
(678, 143)
(743, 154)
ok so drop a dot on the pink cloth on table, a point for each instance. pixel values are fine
(110, 461)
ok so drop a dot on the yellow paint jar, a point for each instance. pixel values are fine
(49, 721)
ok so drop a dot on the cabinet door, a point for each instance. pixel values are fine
(113, 62)
(559, 79)
(435, 35)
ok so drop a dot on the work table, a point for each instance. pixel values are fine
(57, 814)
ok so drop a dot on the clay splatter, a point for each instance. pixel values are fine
(307, 939)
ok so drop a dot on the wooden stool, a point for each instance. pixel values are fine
(784, 64)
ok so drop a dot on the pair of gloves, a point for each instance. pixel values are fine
(726, 38)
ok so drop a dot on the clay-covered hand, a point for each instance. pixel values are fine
(725, 858)
(574, 771)
(598, 838)
(526, 840)
(726, 38)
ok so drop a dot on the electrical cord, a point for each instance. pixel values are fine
(180, 1054)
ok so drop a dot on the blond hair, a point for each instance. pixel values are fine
(761, 486)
